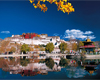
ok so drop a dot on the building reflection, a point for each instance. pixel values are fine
(90, 65)
(13, 66)
(78, 69)
(29, 73)
(73, 70)
(32, 69)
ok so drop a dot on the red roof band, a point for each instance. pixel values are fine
(88, 46)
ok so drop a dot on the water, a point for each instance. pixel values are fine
(11, 68)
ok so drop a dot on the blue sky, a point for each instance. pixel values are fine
(17, 17)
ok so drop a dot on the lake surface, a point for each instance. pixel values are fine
(12, 69)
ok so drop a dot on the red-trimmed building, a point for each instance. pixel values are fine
(29, 35)
(88, 46)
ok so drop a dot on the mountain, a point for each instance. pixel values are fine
(1, 39)
(97, 44)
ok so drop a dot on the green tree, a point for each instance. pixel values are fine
(94, 51)
(83, 51)
(49, 47)
(12, 49)
(49, 62)
(25, 48)
(42, 45)
(42, 49)
(63, 47)
(81, 43)
(93, 43)
(63, 62)
(74, 46)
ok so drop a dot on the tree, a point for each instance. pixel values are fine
(63, 62)
(49, 62)
(83, 51)
(49, 47)
(93, 43)
(94, 50)
(68, 50)
(12, 49)
(42, 45)
(36, 46)
(81, 43)
(63, 47)
(18, 48)
(59, 4)
(4, 46)
(42, 49)
(74, 46)
(25, 48)
(31, 49)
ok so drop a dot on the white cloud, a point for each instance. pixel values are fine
(78, 34)
(88, 32)
(55, 34)
(6, 32)
(92, 37)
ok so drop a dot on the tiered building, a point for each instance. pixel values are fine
(35, 39)
(88, 46)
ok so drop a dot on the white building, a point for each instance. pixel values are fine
(42, 40)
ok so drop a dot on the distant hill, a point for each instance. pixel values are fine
(97, 43)
(1, 39)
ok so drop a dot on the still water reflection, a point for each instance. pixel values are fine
(17, 68)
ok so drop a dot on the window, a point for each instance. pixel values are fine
(56, 43)
(51, 39)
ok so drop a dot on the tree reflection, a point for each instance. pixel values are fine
(13, 65)
(63, 62)
(49, 62)
(3, 63)
(24, 62)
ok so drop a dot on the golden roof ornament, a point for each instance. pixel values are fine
(88, 40)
